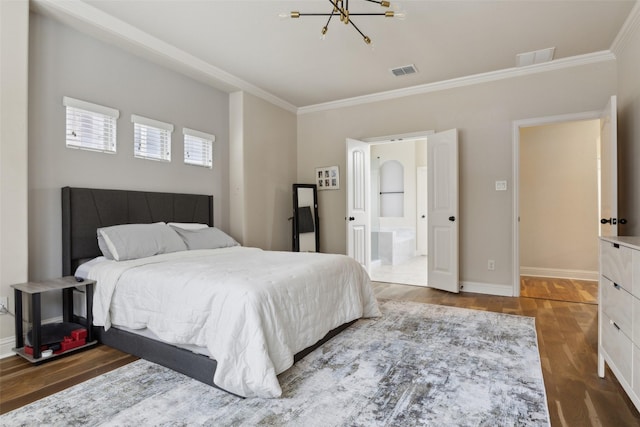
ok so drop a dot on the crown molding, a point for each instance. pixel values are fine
(630, 26)
(558, 64)
(88, 19)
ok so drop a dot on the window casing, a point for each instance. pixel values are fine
(198, 148)
(90, 126)
(151, 139)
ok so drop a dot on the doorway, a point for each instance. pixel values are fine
(442, 205)
(559, 210)
(398, 211)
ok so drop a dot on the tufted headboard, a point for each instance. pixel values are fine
(84, 210)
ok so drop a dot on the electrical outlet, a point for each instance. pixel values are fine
(4, 305)
(491, 265)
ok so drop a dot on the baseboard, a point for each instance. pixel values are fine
(487, 288)
(6, 346)
(559, 273)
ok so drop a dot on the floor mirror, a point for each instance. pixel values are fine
(306, 232)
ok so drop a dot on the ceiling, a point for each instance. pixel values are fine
(244, 44)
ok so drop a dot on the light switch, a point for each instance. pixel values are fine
(501, 185)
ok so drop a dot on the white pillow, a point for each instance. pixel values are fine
(188, 225)
(206, 238)
(83, 269)
(132, 241)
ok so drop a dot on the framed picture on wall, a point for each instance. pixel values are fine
(328, 178)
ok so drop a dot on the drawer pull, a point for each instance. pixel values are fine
(614, 324)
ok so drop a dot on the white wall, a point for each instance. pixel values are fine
(405, 153)
(628, 60)
(64, 62)
(559, 200)
(14, 262)
(483, 113)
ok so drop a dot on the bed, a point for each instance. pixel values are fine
(264, 311)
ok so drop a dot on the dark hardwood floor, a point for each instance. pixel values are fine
(567, 338)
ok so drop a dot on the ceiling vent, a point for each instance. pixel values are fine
(535, 57)
(404, 70)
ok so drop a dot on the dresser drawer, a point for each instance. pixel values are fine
(635, 269)
(636, 321)
(636, 370)
(618, 346)
(617, 304)
(615, 263)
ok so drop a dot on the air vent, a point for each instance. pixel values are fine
(535, 57)
(404, 70)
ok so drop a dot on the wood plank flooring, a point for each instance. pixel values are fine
(22, 383)
(573, 290)
(567, 338)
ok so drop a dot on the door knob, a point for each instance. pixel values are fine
(423, 216)
(622, 221)
(351, 218)
(611, 221)
(452, 218)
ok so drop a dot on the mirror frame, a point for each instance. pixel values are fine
(296, 233)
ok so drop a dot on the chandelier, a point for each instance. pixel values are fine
(341, 9)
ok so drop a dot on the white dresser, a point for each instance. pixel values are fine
(619, 312)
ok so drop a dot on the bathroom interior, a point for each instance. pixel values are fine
(399, 212)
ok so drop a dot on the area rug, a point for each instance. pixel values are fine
(417, 365)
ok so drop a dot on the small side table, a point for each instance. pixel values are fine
(66, 284)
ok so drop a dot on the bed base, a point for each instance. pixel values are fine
(194, 365)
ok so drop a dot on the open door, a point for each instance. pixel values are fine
(609, 170)
(358, 201)
(442, 210)
(422, 233)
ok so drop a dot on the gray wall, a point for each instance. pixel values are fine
(263, 169)
(628, 60)
(484, 114)
(64, 62)
(14, 39)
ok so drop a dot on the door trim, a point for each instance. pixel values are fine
(516, 126)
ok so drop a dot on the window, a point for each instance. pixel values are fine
(90, 126)
(151, 139)
(198, 148)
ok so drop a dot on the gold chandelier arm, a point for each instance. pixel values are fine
(367, 40)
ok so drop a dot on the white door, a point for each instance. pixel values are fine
(609, 170)
(421, 211)
(442, 210)
(358, 201)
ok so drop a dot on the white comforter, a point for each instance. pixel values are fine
(252, 309)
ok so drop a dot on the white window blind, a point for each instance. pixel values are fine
(198, 148)
(151, 139)
(90, 126)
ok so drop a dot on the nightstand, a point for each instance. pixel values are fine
(35, 289)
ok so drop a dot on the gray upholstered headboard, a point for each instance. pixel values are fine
(84, 210)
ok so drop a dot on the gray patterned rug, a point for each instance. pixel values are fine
(418, 364)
